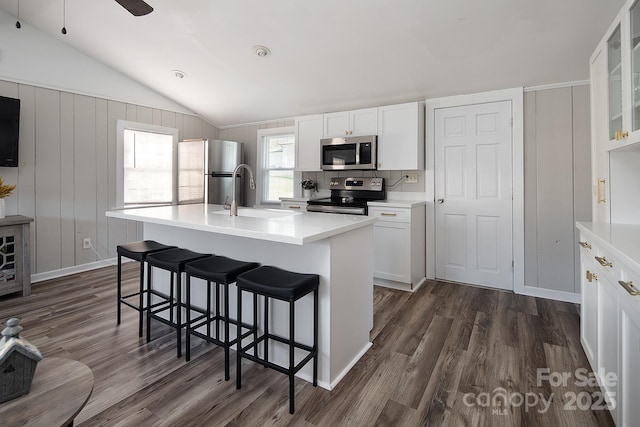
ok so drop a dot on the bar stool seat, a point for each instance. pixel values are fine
(276, 283)
(173, 261)
(136, 251)
(221, 271)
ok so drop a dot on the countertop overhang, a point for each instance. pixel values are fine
(295, 228)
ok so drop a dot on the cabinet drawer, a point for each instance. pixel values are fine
(294, 206)
(606, 263)
(391, 214)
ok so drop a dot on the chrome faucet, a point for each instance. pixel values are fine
(234, 205)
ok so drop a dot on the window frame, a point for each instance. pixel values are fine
(121, 126)
(261, 167)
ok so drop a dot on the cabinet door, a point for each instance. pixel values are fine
(308, 136)
(589, 311)
(600, 136)
(400, 137)
(629, 374)
(608, 335)
(392, 251)
(336, 124)
(614, 76)
(363, 122)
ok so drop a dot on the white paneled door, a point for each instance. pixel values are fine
(473, 190)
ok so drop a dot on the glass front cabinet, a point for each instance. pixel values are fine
(615, 65)
(615, 117)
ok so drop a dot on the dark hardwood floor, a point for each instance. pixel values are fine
(446, 355)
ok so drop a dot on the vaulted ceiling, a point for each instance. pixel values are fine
(328, 55)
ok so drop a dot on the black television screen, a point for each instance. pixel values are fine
(9, 131)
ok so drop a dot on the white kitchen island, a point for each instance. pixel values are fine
(339, 248)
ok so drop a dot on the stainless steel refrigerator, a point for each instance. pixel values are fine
(204, 171)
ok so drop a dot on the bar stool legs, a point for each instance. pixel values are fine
(275, 283)
(222, 272)
(137, 251)
(173, 261)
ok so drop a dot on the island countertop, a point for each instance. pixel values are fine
(274, 225)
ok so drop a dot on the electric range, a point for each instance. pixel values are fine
(349, 196)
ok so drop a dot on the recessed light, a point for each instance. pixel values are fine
(179, 74)
(261, 51)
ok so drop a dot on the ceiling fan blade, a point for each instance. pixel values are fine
(136, 7)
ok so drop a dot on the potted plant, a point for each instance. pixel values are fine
(308, 187)
(5, 190)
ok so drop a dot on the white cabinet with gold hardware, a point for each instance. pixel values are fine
(615, 119)
(399, 244)
(351, 123)
(615, 70)
(629, 412)
(610, 312)
(298, 205)
(308, 135)
(401, 136)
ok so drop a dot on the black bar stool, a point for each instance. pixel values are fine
(173, 261)
(273, 282)
(221, 271)
(136, 251)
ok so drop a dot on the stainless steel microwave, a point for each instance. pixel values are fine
(348, 153)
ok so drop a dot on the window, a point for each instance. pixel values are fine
(276, 162)
(146, 164)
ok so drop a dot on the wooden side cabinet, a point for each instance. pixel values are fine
(15, 255)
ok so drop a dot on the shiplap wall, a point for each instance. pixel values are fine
(66, 174)
(557, 165)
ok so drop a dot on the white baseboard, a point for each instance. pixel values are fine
(347, 368)
(398, 285)
(54, 274)
(552, 294)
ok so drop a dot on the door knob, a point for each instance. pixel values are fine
(440, 201)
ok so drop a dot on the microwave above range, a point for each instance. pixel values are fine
(349, 153)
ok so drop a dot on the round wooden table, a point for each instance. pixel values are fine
(60, 389)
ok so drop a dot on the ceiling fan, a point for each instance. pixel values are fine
(136, 7)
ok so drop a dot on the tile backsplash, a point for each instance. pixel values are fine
(393, 179)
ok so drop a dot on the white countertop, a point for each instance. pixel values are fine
(619, 239)
(275, 225)
(397, 203)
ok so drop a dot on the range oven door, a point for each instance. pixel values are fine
(350, 153)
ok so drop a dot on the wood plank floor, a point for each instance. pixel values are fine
(440, 356)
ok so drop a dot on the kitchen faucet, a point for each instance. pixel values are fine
(234, 205)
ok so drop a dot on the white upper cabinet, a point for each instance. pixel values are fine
(615, 76)
(308, 135)
(351, 123)
(401, 137)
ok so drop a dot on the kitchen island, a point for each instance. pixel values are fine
(339, 248)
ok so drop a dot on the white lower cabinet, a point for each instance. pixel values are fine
(399, 246)
(629, 388)
(589, 309)
(610, 318)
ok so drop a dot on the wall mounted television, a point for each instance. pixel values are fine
(9, 131)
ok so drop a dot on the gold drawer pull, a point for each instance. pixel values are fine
(603, 261)
(293, 207)
(591, 276)
(585, 245)
(629, 287)
(387, 214)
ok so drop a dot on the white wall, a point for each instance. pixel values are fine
(29, 56)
